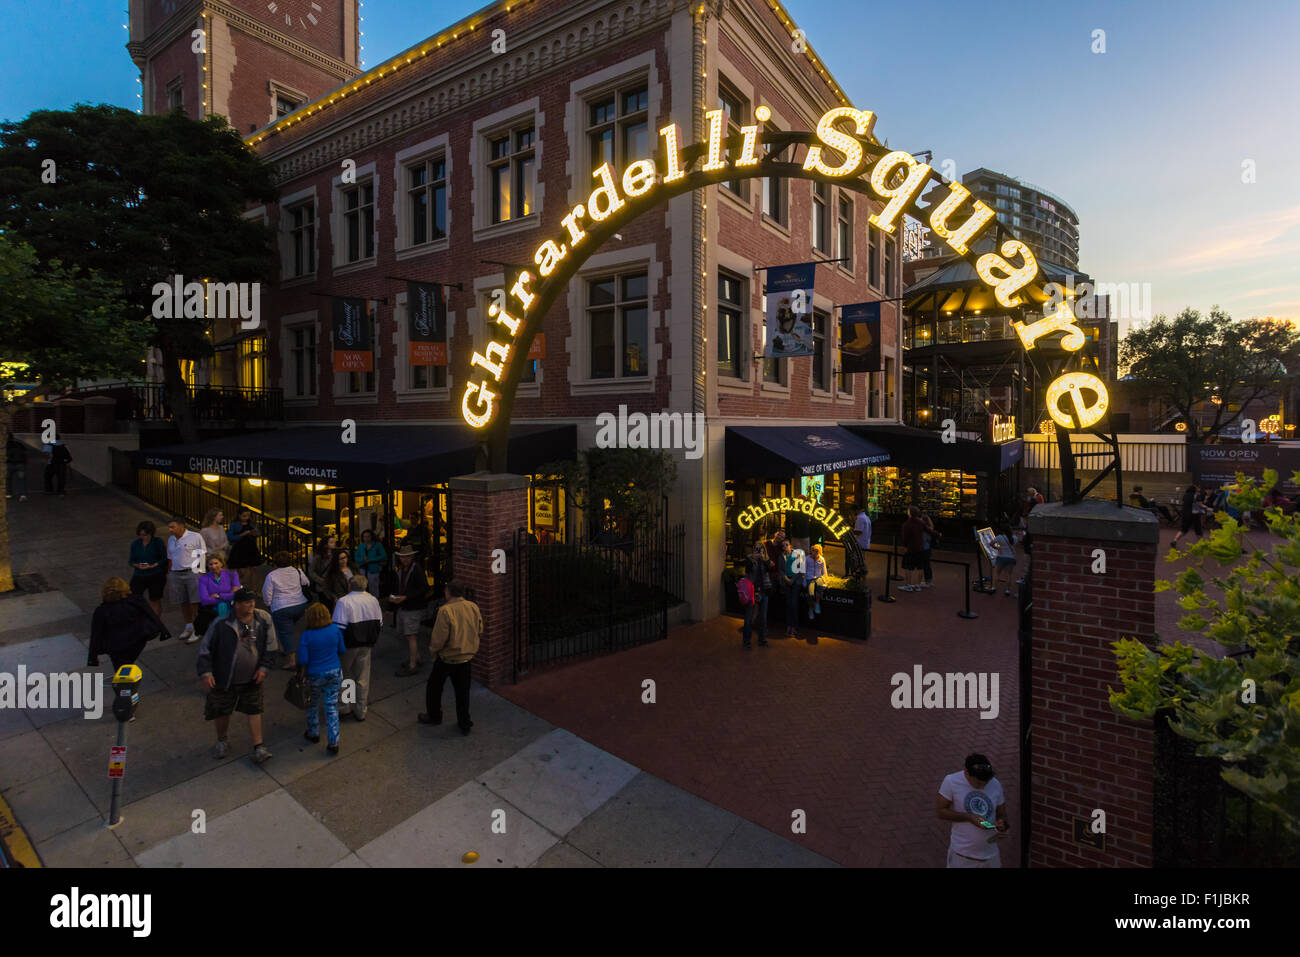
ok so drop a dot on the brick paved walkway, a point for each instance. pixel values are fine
(807, 726)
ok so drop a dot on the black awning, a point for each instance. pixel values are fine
(780, 451)
(924, 449)
(397, 455)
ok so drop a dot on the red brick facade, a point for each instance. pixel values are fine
(1085, 756)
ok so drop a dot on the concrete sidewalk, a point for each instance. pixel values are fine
(519, 791)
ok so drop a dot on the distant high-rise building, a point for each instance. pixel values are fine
(1041, 219)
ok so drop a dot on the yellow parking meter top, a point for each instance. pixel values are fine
(127, 674)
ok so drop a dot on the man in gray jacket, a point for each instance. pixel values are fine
(231, 667)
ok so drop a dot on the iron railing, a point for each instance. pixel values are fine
(1134, 456)
(574, 599)
(176, 495)
(1200, 821)
(148, 402)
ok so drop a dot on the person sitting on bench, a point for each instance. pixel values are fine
(1141, 501)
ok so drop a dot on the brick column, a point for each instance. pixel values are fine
(486, 510)
(1084, 756)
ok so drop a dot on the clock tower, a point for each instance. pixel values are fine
(251, 61)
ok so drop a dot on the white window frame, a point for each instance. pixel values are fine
(404, 159)
(483, 329)
(286, 206)
(340, 379)
(280, 90)
(823, 305)
(365, 175)
(483, 131)
(405, 390)
(614, 262)
(627, 72)
(288, 326)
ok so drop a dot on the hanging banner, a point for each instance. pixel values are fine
(538, 349)
(353, 351)
(426, 324)
(860, 338)
(789, 310)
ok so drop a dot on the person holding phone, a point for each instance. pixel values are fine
(972, 800)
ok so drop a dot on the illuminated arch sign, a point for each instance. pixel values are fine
(842, 150)
(827, 517)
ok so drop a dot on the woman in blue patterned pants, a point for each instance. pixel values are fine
(319, 651)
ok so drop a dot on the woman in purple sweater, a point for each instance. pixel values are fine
(216, 592)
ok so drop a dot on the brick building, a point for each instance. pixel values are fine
(456, 156)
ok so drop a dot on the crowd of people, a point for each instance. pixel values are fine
(321, 624)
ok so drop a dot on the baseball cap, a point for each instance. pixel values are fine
(978, 766)
(245, 594)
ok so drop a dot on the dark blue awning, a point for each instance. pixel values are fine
(781, 451)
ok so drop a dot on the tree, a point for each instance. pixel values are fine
(1187, 360)
(57, 325)
(632, 481)
(1243, 709)
(140, 199)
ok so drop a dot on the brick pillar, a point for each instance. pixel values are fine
(486, 511)
(1084, 756)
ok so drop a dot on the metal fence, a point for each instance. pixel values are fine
(1200, 821)
(1134, 456)
(574, 599)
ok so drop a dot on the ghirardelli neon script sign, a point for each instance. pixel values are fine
(897, 178)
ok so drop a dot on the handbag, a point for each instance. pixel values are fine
(298, 691)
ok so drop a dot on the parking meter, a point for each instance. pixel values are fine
(126, 691)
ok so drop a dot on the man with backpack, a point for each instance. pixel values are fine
(754, 589)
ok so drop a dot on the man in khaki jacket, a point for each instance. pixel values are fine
(455, 638)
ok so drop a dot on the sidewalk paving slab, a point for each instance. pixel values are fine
(753, 846)
(559, 779)
(41, 608)
(440, 834)
(295, 757)
(56, 653)
(651, 823)
(565, 855)
(90, 844)
(51, 804)
(272, 831)
(169, 813)
(26, 757)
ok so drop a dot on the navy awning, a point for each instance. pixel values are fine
(781, 451)
(924, 449)
(397, 455)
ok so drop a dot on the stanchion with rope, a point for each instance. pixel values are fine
(887, 598)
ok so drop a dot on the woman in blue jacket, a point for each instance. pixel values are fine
(370, 557)
(320, 649)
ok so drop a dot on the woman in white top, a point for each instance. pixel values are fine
(284, 596)
(814, 570)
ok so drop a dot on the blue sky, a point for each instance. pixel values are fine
(1145, 141)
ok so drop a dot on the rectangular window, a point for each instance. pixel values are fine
(844, 382)
(512, 173)
(618, 127)
(175, 97)
(873, 256)
(821, 352)
(424, 377)
(733, 330)
(774, 189)
(736, 112)
(363, 383)
(303, 356)
(844, 234)
(873, 395)
(820, 235)
(774, 370)
(359, 221)
(891, 250)
(252, 363)
(284, 106)
(889, 387)
(427, 200)
(618, 320)
(302, 239)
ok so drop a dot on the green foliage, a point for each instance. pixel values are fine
(1243, 709)
(1186, 360)
(138, 199)
(632, 481)
(63, 324)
